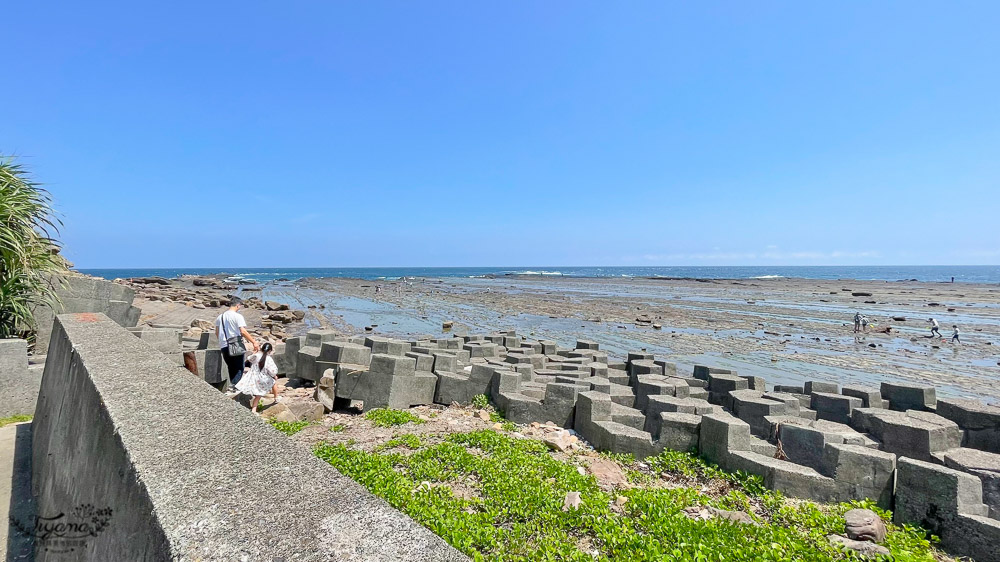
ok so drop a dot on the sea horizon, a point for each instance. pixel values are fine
(921, 273)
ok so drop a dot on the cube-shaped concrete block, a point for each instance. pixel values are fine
(425, 362)
(344, 352)
(387, 346)
(445, 362)
(870, 397)
(678, 431)
(723, 383)
(305, 367)
(834, 407)
(818, 386)
(904, 397)
(702, 372)
(668, 368)
(316, 337)
(394, 365)
(587, 344)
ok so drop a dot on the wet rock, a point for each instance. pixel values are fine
(275, 306)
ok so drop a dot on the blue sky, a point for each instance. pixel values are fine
(233, 134)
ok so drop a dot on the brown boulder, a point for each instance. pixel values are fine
(608, 473)
(306, 411)
(864, 525)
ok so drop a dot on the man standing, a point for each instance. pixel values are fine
(857, 322)
(230, 325)
(934, 327)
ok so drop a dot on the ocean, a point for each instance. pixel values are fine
(930, 273)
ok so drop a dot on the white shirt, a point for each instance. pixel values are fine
(935, 323)
(233, 322)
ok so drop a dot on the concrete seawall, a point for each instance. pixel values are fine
(187, 473)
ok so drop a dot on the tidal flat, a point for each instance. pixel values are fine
(785, 330)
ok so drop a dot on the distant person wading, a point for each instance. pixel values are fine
(231, 329)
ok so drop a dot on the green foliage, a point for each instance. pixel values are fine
(17, 418)
(338, 428)
(28, 250)
(516, 511)
(386, 417)
(288, 428)
(480, 401)
(407, 440)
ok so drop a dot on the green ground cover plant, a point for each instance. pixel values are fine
(387, 417)
(288, 428)
(515, 512)
(17, 418)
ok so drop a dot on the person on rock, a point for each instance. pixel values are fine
(259, 380)
(229, 326)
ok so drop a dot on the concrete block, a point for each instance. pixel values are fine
(818, 386)
(788, 389)
(305, 366)
(979, 423)
(903, 397)
(678, 431)
(860, 472)
(912, 434)
(669, 369)
(387, 346)
(104, 436)
(982, 465)
(834, 407)
(721, 436)
(344, 352)
(870, 397)
(949, 504)
(586, 344)
(316, 337)
(702, 372)
(19, 383)
(723, 383)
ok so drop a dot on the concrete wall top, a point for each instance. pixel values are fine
(190, 474)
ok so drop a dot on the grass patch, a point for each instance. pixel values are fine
(288, 428)
(386, 417)
(516, 513)
(338, 428)
(17, 418)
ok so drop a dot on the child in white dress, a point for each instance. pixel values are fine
(260, 379)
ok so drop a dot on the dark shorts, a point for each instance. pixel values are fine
(235, 365)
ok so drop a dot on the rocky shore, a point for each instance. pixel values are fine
(194, 302)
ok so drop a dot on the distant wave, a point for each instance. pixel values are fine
(536, 273)
(768, 277)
